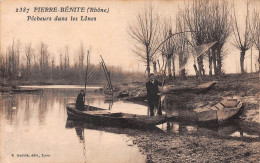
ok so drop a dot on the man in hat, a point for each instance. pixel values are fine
(80, 100)
(153, 94)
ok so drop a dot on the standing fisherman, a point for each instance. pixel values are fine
(153, 94)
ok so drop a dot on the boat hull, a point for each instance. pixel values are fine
(220, 112)
(25, 90)
(104, 117)
(168, 89)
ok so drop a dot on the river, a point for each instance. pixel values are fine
(34, 129)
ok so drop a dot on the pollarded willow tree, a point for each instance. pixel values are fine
(210, 21)
(242, 38)
(196, 20)
(220, 29)
(168, 47)
(146, 33)
(181, 44)
(256, 31)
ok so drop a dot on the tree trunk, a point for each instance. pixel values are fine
(200, 65)
(183, 74)
(196, 70)
(219, 62)
(259, 56)
(258, 60)
(154, 67)
(169, 66)
(173, 66)
(148, 61)
(214, 59)
(210, 63)
(242, 58)
(183, 71)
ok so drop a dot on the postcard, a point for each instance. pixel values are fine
(118, 81)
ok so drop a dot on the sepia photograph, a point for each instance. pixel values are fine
(119, 81)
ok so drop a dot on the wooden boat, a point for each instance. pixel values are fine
(5, 88)
(171, 89)
(123, 93)
(220, 112)
(26, 90)
(108, 92)
(104, 117)
(116, 94)
(189, 89)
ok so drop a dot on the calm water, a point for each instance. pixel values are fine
(33, 126)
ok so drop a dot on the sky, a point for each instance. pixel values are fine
(108, 35)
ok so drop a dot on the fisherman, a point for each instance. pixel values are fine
(153, 94)
(80, 100)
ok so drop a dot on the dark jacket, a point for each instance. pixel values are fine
(80, 100)
(152, 90)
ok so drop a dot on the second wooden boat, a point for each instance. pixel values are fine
(220, 112)
(168, 89)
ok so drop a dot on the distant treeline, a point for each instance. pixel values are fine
(28, 65)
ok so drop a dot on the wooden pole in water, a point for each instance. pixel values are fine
(86, 77)
(163, 79)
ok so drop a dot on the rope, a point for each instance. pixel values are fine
(91, 74)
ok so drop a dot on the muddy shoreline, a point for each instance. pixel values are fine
(209, 146)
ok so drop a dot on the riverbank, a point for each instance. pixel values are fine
(210, 146)
(193, 143)
(164, 148)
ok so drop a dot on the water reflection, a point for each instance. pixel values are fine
(234, 129)
(98, 140)
(34, 124)
(242, 134)
(80, 134)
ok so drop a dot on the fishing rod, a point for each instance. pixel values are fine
(167, 39)
(92, 72)
(86, 77)
(106, 74)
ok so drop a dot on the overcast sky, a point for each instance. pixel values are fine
(108, 35)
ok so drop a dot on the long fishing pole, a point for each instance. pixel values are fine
(86, 77)
(92, 72)
(163, 81)
(107, 74)
(167, 39)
